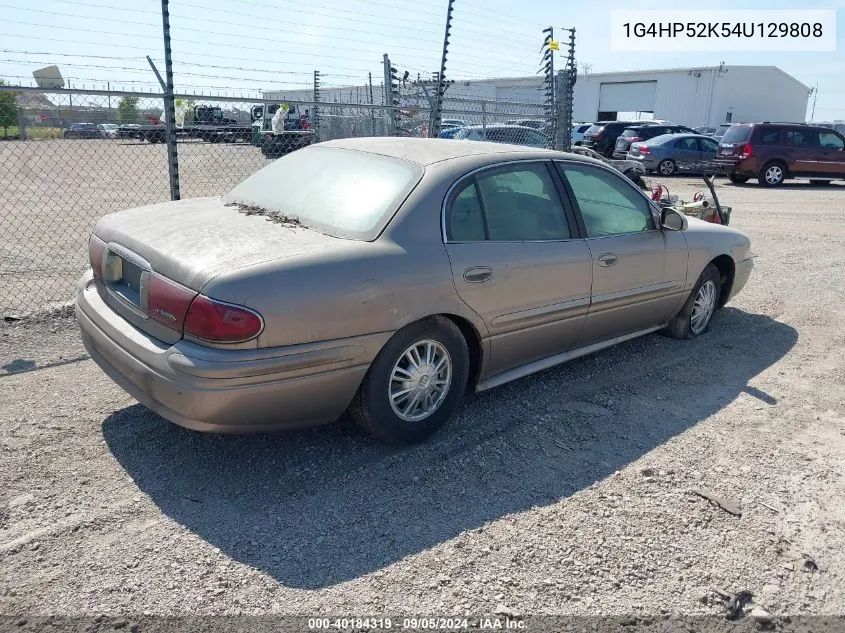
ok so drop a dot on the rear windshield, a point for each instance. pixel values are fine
(594, 129)
(737, 134)
(339, 192)
(629, 133)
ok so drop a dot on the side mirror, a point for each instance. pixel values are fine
(672, 220)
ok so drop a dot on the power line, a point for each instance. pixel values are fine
(86, 17)
(263, 18)
(106, 6)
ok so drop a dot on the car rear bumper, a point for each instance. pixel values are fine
(735, 165)
(225, 391)
(648, 163)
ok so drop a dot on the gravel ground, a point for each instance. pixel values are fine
(569, 492)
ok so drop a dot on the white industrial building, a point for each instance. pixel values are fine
(691, 96)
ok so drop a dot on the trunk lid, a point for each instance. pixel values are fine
(153, 261)
(192, 241)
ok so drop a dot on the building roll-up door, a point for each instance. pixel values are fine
(627, 96)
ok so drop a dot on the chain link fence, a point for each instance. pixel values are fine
(69, 157)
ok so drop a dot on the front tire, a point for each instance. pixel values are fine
(415, 384)
(667, 167)
(694, 318)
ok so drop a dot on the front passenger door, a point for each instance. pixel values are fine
(639, 270)
(833, 154)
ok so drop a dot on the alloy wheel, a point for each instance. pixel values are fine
(420, 380)
(703, 307)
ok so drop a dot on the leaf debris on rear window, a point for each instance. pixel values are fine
(272, 216)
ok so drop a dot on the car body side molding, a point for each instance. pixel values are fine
(545, 363)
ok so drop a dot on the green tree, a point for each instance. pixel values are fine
(8, 109)
(127, 110)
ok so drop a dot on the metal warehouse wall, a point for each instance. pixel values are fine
(759, 94)
(680, 96)
(703, 96)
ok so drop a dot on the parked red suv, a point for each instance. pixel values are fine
(773, 152)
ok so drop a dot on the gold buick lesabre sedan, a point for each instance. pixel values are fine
(387, 277)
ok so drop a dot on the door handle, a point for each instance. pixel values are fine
(478, 274)
(607, 259)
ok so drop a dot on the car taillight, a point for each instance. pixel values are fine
(745, 152)
(220, 322)
(96, 251)
(167, 301)
(634, 139)
(644, 149)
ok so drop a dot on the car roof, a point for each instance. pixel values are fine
(427, 151)
(663, 138)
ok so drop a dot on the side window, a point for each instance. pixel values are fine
(464, 217)
(521, 203)
(608, 204)
(770, 137)
(802, 138)
(687, 144)
(829, 140)
(711, 147)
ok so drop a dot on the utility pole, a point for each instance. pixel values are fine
(815, 91)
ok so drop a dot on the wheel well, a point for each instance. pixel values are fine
(725, 265)
(473, 346)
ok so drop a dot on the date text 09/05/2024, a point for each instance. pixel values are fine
(416, 624)
(724, 29)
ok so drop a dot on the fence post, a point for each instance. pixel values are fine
(434, 128)
(372, 110)
(315, 114)
(21, 124)
(170, 106)
(559, 114)
(389, 97)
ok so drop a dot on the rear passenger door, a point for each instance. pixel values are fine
(805, 151)
(709, 148)
(687, 153)
(517, 261)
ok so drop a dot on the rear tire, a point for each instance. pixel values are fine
(415, 384)
(737, 179)
(694, 318)
(772, 175)
(667, 167)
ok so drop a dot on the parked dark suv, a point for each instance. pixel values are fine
(601, 137)
(773, 152)
(644, 132)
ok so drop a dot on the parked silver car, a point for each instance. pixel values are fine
(675, 153)
(386, 277)
(513, 134)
